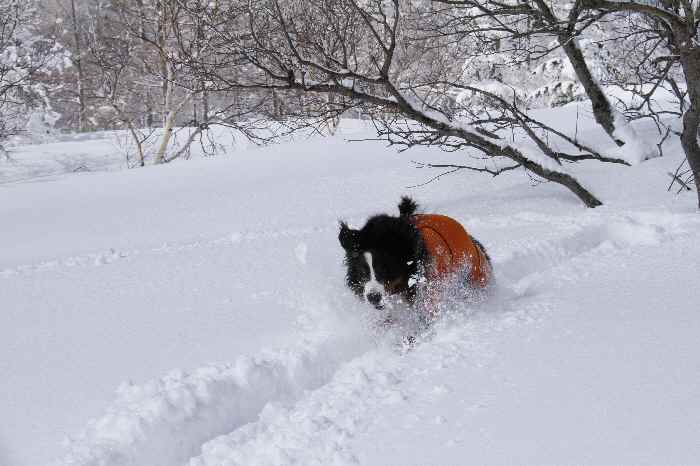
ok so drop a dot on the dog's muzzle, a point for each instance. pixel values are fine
(375, 299)
(373, 289)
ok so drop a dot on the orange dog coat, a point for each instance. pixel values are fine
(451, 248)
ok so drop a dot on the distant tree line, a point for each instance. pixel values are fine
(463, 75)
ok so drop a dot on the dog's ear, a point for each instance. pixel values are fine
(407, 206)
(349, 238)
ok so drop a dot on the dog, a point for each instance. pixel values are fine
(411, 256)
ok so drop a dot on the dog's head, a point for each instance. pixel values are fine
(384, 256)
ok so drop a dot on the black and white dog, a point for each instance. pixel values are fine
(384, 257)
(401, 256)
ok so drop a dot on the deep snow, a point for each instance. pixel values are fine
(210, 295)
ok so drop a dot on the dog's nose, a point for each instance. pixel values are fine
(374, 298)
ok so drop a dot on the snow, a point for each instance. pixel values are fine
(210, 295)
(635, 150)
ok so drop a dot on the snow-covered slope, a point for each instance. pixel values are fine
(210, 294)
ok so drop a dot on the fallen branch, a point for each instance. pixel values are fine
(676, 178)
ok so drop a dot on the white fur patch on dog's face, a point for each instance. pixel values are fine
(372, 286)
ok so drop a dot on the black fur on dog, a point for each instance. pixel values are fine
(388, 247)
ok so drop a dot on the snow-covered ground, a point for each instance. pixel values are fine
(209, 294)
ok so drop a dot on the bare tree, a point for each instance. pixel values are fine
(675, 22)
(28, 57)
(519, 21)
(112, 54)
(74, 32)
(155, 26)
(398, 62)
(17, 65)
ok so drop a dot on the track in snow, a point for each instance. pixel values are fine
(303, 405)
(112, 255)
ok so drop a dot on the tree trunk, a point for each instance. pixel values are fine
(330, 108)
(77, 61)
(205, 106)
(169, 115)
(167, 77)
(690, 60)
(276, 106)
(169, 122)
(602, 110)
